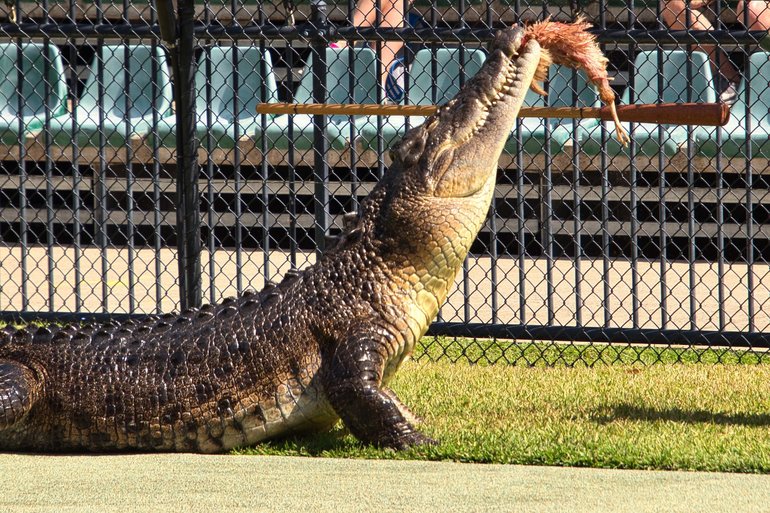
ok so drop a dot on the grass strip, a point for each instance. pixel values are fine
(683, 417)
(542, 354)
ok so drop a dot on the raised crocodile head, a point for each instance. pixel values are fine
(420, 221)
(454, 153)
(436, 194)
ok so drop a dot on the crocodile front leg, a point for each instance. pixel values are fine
(352, 379)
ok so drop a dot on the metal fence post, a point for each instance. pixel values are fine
(179, 38)
(320, 144)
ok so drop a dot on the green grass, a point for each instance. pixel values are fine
(668, 416)
(554, 354)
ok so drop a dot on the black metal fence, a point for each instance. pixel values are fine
(136, 176)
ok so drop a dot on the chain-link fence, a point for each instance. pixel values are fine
(661, 244)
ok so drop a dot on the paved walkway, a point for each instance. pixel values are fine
(182, 483)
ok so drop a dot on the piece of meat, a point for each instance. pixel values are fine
(570, 44)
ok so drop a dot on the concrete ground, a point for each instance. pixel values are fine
(181, 483)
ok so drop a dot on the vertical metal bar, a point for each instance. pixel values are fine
(606, 286)
(378, 80)
(604, 191)
(691, 248)
(462, 78)
(265, 188)
(494, 234)
(662, 189)
(546, 193)
(604, 205)
(353, 131)
(128, 107)
(23, 226)
(493, 229)
(408, 57)
(210, 174)
(320, 144)
(521, 225)
(494, 258)
(237, 171)
(76, 174)
(49, 192)
(211, 241)
(751, 307)
(520, 204)
(156, 195)
(633, 178)
(293, 246)
(577, 227)
(189, 169)
(720, 192)
(188, 217)
(101, 209)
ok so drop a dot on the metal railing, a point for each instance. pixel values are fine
(136, 177)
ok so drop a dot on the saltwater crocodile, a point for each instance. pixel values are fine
(297, 356)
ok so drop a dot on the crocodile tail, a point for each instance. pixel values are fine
(19, 389)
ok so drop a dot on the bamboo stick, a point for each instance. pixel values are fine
(707, 114)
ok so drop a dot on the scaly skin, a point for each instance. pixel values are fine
(320, 346)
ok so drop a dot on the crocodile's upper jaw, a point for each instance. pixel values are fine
(458, 148)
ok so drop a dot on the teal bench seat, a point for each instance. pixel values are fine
(738, 132)
(37, 68)
(141, 66)
(650, 138)
(449, 68)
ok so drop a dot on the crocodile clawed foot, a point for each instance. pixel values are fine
(408, 440)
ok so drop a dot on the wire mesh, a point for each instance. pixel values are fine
(661, 246)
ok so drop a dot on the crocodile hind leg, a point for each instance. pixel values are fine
(19, 388)
(352, 380)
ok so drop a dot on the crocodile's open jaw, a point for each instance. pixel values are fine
(459, 146)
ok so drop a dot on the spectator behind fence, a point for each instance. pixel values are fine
(755, 13)
(392, 15)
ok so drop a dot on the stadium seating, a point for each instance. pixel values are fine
(338, 129)
(561, 93)
(224, 106)
(127, 100)
(422, 92)
(733, 135)
(676, 81)
(32, 92)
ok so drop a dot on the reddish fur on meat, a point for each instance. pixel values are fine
(571, 45)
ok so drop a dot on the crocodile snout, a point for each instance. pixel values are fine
(509, 41)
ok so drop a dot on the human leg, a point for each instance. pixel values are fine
(392, 15)
(756, 15)
(675, 15)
